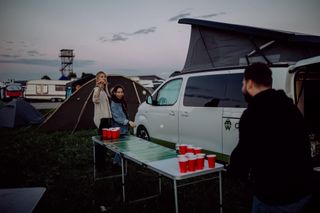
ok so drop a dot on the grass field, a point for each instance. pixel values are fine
(62, 163)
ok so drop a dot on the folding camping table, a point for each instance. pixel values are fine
(157, 158)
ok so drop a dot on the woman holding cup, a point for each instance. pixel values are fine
(102, 115)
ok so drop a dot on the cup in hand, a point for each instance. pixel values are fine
(211, 161)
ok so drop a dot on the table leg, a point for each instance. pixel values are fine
(175, 195)
(123, 181)
(94, 160)
(159, 184)
(220, 191)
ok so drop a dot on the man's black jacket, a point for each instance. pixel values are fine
(273, 149)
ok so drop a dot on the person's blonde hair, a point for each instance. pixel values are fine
(99, 73)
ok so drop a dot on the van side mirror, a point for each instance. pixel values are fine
(150, 100)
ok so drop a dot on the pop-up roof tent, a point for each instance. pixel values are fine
(77, 111)
(214, 45)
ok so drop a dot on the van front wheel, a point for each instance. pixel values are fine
(143, 133)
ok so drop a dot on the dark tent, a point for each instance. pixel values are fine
(18, 113)
(77, 111)
(76, 84)
(215, 45)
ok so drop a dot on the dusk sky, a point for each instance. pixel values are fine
(132, 37)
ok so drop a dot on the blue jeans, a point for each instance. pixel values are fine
(260, 207)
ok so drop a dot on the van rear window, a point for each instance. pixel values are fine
(214, 91)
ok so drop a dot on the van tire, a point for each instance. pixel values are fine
(53, 100)
(143, 133)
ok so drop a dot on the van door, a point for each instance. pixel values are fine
(163, 114)
(233, 106)
(230, 129)
(200, 116)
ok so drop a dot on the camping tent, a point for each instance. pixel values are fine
(18, 113)
(77, 110)
(214, 45)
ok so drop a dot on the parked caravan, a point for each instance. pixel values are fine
(203, 104)
(51, 90)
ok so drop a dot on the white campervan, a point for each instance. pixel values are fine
(202, 105)
(51, 90)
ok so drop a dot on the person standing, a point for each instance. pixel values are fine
(120, 117)
(102, 114)
(273, 151)
(119, 110)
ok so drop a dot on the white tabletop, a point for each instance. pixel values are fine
(20, 200)
(170, 168)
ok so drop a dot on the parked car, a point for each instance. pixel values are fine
(14, 90)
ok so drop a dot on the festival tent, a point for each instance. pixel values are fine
(18, 113)
(77, 111)
(214, 45)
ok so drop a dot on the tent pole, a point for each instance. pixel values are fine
(81, 112)
(135, 89)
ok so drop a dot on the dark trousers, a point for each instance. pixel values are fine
(100, 151)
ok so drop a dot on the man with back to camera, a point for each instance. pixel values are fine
(273, 149)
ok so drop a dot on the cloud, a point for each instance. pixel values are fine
(123, 36)
(212, 15)
(45, 62)
(177, 17)
(118, 37)
(33, 53)
(9, 56)
(145, 31)
(184, 14)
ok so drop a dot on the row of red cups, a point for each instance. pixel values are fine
(190, 162)
(184, 148)
(111, 133)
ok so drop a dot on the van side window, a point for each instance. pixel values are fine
(234, 96)
(169, 93)
(214, 91)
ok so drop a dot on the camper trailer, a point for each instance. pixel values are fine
(203, 104)
(50, 90)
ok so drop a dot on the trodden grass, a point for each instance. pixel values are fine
(62, 162)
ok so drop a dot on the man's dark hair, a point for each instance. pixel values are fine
(259, 73)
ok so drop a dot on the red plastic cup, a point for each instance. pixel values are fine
(211, 161)
(104, 133)
(183, 165)
(197, 150)
(113, 133)
(200, 162)
(182, 149)
(192, 164)
(109, 134)
(190, 149)
(117, 132)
